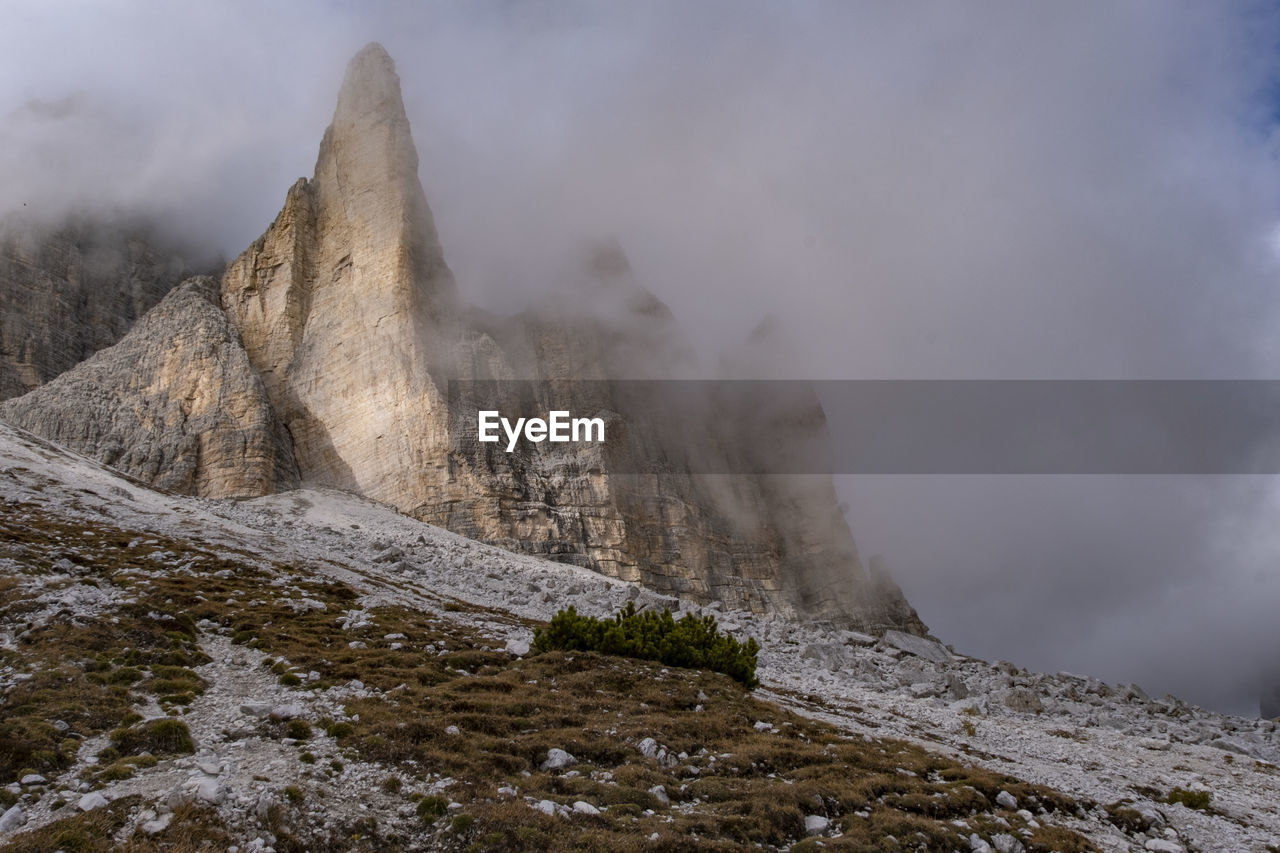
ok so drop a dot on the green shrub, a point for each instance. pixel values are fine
(124, 675)
(687, 642)
(157, 737)
(337, 730)
(430, 808)
(1191, 799)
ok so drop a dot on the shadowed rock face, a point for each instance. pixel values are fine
(175, 404)
(67, 292)
(349, 315)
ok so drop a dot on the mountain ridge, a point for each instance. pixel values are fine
(349, 316)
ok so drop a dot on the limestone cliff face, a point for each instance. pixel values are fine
(349, 313)
(175, 403)
(334, 301)
(67, 292)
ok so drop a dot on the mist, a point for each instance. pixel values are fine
(911, 191)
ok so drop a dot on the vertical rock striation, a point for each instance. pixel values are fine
(67, 292)
(335, 300)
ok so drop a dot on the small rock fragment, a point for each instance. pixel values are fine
(160, 824)
(815, 824)
(558, 759)
(210, 791)
(1005, 843)
(90, 801)
(12, 819)
(977, 845)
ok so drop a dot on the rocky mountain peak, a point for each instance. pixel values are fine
(368, 145)
(366, 180)
(371, 87)
(325, 357)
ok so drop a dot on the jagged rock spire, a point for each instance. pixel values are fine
(367, 175)
(345, 308)
(370, 90)
(336, 301)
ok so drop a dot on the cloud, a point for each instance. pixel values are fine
(913, 190)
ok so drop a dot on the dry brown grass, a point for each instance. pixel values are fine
(737, 787)
(194, 829)
(84, 673)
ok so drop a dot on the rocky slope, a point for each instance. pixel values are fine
(348, 315)
(322, 608)
(67, 292)
(175, 403)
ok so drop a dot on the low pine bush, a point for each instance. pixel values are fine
(687, 642)
(1198, 800)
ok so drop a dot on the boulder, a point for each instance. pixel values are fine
(157, 825)
(558, 759)
(13, 818)
(815, 824)
(90, 801)
(922, 647)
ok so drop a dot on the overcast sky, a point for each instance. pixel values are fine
(997, 190)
